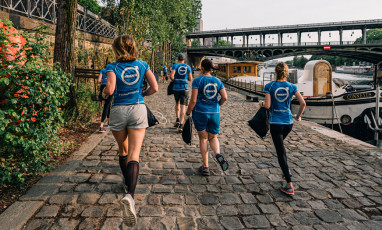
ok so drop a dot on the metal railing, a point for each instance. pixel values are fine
(46, 10)
(292, 27)
(349, 43)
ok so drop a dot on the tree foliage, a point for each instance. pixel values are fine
(91, 5)
(222, 43)
(32, 93)
(300, 62)
(154, 21)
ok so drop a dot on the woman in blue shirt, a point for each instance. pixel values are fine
(128, 115)
(278, 96)
(205, 107)
(106, 107)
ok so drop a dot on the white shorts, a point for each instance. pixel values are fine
(128, 117)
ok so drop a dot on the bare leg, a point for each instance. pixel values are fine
(182, 113)
(203, 141)
(135, 139)
(122, 139)
(214, 142)
(177, 109)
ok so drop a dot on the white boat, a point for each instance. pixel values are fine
(357, 70)
(331, 102)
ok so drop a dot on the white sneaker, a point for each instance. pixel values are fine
(128, 209)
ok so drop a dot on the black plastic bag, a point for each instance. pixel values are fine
(151, 118)
(169, 88)
(260, 122)
(187, 131)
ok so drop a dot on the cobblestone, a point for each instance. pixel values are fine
(338, 185)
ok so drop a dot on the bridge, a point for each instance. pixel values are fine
(370, 51)
(45, 10)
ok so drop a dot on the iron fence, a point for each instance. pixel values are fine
(46, 10)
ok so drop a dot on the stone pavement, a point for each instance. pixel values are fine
(338, 184)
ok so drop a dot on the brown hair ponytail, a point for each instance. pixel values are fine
(124, 48)
(281, 71)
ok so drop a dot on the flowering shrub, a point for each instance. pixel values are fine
(32, 92)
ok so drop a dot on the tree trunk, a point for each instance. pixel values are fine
(65, 43)
(65, 34)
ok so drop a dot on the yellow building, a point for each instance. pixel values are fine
(242, 68)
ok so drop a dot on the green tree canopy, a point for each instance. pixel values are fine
(91, 5)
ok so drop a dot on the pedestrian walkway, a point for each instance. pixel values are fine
(338, 184)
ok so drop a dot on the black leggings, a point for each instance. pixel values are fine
(106, 106)
(279, 133)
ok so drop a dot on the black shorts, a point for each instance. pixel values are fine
(181, 96)
(164, 73)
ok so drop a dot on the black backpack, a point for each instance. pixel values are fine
(260, 122)
(169, 88)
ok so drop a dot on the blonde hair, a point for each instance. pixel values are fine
(124, 48)
(281, 71)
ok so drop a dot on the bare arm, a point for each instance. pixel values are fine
(267, 102)
(302, 105)
(194, 97)
(100, 78)
(172, 75)
(152, 83)
(190, 76)
(110, 83)
(224, 97)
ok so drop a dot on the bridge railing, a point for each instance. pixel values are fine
(46, 10)
(350, 43)
(298, 26)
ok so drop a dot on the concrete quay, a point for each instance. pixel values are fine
(338, 181)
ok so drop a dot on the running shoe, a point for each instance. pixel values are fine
(287, 190)
(205, 171)
(180, 128)
(223, 163)
(176, 124)
(128, 209)
(101, 130)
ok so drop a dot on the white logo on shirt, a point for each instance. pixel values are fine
(282, 94)
(130, 79)
(182, 70)
(210, 90)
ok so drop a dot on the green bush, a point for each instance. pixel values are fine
(32, 93)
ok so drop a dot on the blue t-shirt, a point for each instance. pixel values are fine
(181, 74)
(129, 85)
(164, 68)
(104, 78)
(281, 95)
(208, 91)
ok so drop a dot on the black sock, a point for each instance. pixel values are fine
(132, 176)
(123, 165)
(177, 120)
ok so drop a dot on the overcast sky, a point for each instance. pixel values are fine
(221, 14)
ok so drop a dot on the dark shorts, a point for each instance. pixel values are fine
(181, 96)
(164, 73)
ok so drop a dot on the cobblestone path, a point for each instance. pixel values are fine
(338, 185)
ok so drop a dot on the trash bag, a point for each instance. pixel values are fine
(187, 131)
(169, 88)
(151, 118)
(260, 122)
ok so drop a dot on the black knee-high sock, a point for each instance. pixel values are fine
(123, 165)
(132, 176)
